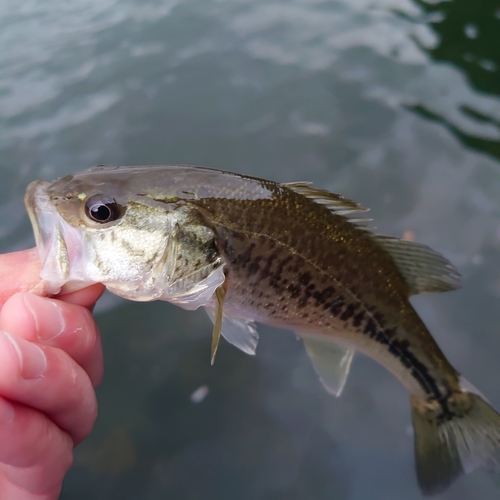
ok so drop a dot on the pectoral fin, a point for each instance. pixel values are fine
(331, 361)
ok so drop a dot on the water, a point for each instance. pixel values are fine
(392, 103)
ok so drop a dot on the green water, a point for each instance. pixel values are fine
(394, 103)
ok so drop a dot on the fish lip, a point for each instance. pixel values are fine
(37, 200)
(48, 235)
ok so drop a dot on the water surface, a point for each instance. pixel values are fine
(392, 103)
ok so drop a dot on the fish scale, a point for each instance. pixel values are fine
(255, 266)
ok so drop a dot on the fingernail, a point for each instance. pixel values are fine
(6, 412)
(47, 315)
(32, 360)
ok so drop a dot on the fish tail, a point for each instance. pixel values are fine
(454, 437)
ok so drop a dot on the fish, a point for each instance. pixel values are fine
(289, 255)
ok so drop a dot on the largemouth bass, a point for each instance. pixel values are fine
(287, 255)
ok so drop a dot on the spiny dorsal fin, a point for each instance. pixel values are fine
(334, 202)
(423, 269)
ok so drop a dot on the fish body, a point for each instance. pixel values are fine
(293, 267)
(288, 255)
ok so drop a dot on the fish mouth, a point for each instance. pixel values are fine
(52, 233)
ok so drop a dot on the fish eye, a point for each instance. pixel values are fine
(102, 209)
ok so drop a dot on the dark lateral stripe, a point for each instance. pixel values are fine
(397, 348)
(349, 311)
(358, 319)
(400, 349)
(337, 305)
(370, 327)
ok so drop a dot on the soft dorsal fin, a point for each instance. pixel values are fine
(423, 269)
(331, 362)
(334, 202)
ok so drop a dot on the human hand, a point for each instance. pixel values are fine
(50, 363)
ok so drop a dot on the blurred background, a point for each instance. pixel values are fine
(393, 103)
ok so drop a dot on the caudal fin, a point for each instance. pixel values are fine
(448, 444)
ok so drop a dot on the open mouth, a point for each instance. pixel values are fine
(50, 232)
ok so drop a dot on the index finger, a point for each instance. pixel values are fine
(20, 272)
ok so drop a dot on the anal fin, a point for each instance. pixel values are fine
(331, 362)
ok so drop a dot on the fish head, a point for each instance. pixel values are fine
(91, 229)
